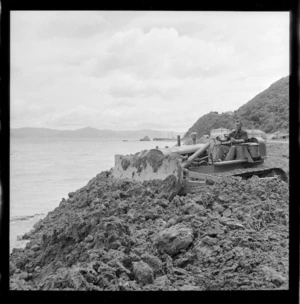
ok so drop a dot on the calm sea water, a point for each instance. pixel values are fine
(43, 171)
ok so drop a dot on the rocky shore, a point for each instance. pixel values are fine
(123, 235)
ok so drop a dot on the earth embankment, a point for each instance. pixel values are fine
(123, 235)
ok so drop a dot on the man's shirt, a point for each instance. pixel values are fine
(238, 134)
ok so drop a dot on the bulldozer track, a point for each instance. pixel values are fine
(246, 173)
(196, 185)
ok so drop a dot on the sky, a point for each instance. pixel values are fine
(130, 70)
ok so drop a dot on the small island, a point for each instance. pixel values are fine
(146, 138)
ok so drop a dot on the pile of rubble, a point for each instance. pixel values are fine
(124, 235)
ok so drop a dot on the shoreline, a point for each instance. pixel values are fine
(119, 235)
(19, 228)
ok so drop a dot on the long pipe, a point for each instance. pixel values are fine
(183, 149)
(195, 155)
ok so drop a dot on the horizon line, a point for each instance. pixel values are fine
(104, 129)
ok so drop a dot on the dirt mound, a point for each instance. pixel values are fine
(123, 235)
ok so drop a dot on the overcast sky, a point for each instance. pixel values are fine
(135, 70)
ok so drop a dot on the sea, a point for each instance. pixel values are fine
(45, 170)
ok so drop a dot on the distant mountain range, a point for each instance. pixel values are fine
(89, 133)
(267, 111)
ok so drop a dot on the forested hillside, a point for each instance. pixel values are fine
(267, 111)
(210, 121)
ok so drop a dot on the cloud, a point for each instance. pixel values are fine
(54, 38)
(153, 125)
(26, 113)
(110, 117)
(162, 53)
(129, 69)
(75, 25)
(73, 117)
(123, 103)
(186, 23)
(82, 116)
(131, 87)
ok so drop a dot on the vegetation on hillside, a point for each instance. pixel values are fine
(210, 121)
(268, 111)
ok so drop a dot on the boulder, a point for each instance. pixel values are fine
(174, 239)
(153, 261)
(162, 202)
(162, 283)
(180, 271)
(227, 212)
(89, 238)
(273, 276)
(143, 273)
(23, 276)
(35, 247)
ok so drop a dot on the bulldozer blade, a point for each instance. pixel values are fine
(149, 165)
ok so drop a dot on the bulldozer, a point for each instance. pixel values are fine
(193, 167)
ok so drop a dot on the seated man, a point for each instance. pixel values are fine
(219, 152)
